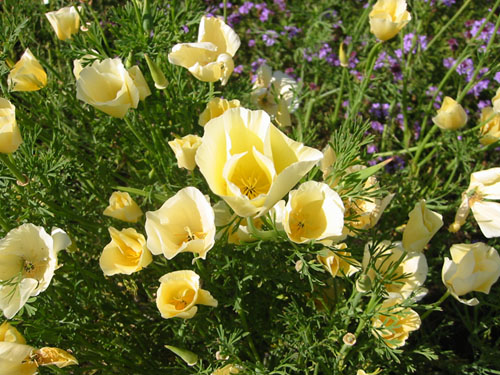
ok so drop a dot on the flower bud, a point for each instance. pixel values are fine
(65, 22)
(388, 17)
(27, 74)
(451, 115)
(185, 150)
(10, 136)
(156, 73)
(344, 61)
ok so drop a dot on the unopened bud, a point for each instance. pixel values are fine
(344, 61)
(349, 339)
(156, 73)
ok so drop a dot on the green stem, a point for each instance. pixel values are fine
(139, 136)
(9, 161)
(445, 27)
(225, 11)
(370, 63)
(3, 222)
(339, 97)
(259, 234)
(253, 348)
(405, 151)
(436, 304)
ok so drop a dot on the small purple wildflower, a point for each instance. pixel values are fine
(377, 126)
(185, 29)
(269, 37)
(251, 43)
(246, 7)
(238, 69)
(281, 4)
(497, 77)
(256, 64)
(371, 149)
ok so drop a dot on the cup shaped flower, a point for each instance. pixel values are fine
(17, 358)
(185, 149)
(27, 74)
(28, 259)
(393, 323)
(123, 207)
(249, 163)
(10, 136)
(364, 212)
(400, 271)
(126, 253)
(228, 369)
(490, 131)
(496, 101)
(215, 108)
(109, 87)
(211, 58)
(388, 17)
(451, 115)
(472, 268)
(314, 212)
(338, 263)
(9, 333)
(483, 189)
(178, 294)
(274, 93)
(65, 22)
(421, 227)
(185, 223)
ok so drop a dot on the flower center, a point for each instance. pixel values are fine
(189, 235)
(181, 301)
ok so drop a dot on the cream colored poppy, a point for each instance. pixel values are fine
(211, 58)
(472, 268)
(17, 358)
(10, 136)
(314, 212)
(394, 323)
(109, 87)
(326, 164)
(451, 115)
(403, 273)
(490, 131)
(28, 259)
(178, 294)
(126, 253)
(421, 227)
(228, 370)
(496, 101)
(9, 333)
(123, 207)
(215, 108)
(185, 149)
(338, 262)
(483, 189)
(65, 22)
(27, 74)
(388, 17)
(274, 93)
(364, 212)
(184, 223)
(249, 163)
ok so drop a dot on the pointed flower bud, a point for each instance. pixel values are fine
(156, 73)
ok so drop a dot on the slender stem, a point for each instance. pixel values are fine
(3, 222)
(253, 348)
(370, 63)
(450, 22)
(225, 11)
(138, 135)
(9, 162)
(405, 151)
(436, 304)
(339, 97)
(259, 234)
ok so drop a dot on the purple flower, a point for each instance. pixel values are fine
(448, 3)
(449, 62)
(228, 5)
(453, 43)
(280, 4)
(291, 31)
(251, 43)
(377, 126)
(246, 7)
(269, 37)
(185, 29)
(483, 103)
(497, 77)
(233, 19)
(324, 50)
(256, 64)
(479, 87)
(371, 149)
(238, 69)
